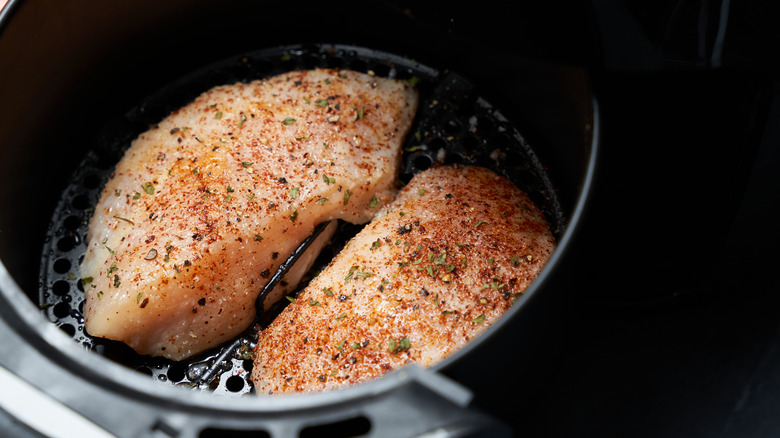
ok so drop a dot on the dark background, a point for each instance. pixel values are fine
(671, 326)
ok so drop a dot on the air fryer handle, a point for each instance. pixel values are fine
(429, 404)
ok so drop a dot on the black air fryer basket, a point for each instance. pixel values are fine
(80, 80)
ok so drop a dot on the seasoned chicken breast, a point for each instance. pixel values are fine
(204, 206)
(442, 263)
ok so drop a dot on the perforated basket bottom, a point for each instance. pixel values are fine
(454, 124)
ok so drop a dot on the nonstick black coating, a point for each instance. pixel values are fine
(454, 124)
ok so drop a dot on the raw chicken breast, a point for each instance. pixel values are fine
(445, 261)
(204, 206)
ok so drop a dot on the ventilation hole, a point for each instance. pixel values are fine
(437, 143)
(240, 72)
(67, 243)
(81, 202)
(219, 78)
(538, 198)
(422, 162)
(62, 266)
(311, 61)
(334, 62)
(91, 181)
(289, 62)
(176, 373)
(453, 158)
(61, 310)
(69, 329)
(72, 223)
(403, 73)
(469, 142)
(485, 125)
(234, 384)
(230, 433)
(381, 70)
(60, 287)
(358, 65)
(261, 66)
(150, 113)
(452, 126)
(499, 141)
(247, 365)
(357, 426)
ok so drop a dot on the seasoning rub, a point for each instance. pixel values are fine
(415, 285)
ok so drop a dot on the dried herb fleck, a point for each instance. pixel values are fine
(395, 347)
(148, 188)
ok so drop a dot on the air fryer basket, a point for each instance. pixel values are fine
(454, 126)
(539, 130)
